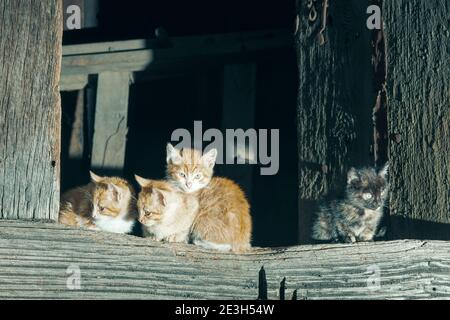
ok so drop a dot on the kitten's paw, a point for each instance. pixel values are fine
(172, 238)
(212, 246)
(367, 239)
(242, 248)
(93, 227)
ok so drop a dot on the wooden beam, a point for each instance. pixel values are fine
(139, 55)
(418, 114)
(73, 83)
(39, 260)
(271, 37)
(110, 128)
(30, 109)
(110, 46)
(76, 144)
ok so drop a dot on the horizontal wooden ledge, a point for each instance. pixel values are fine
(35, 257)
(139, 55)
(185, 42)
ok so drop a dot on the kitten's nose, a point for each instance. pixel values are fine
(188, 184)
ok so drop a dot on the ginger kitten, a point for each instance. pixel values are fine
(357, 217)
(166, 213)
(106, 203)
(223, 221)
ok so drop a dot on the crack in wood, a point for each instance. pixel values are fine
(105, 150)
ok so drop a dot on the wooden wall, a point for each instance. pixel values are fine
(418, 88)
(30, 59)
(367, 95)
(335, 101)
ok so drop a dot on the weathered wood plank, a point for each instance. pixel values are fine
(30, 115)
(418, 86)
(76, 142)
(142, 55)
(110, 46)
(189, 41)
(111, 126)
(335, 102)
(73, 83)
(34, 260)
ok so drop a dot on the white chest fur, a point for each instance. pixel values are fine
(114, 225)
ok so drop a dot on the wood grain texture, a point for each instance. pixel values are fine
(140, 55)
(418, 88)
(30, 115)
(34, 260)
(73, 83)
(111, 121)
(335, 102)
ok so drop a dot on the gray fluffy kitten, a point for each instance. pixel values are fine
(356, 217)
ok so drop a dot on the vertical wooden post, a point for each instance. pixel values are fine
(110, 127)
(335, 102)
(76, 144)
(239, 92)
(418, 87)
(30, 108)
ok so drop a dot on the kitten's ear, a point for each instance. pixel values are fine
(160, 195)
(209, 158)
(116, 191)
(352, 176)
(384, 171)
(142, 181)
(95, 177)
(173, 154)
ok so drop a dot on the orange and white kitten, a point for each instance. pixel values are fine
(223, 221)
(166, 213)
(106, 203)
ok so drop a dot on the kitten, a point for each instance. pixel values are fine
(223, 221)
(166, 213)
(106, 203)
(357, 217)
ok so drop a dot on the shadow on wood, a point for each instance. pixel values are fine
(405, 228)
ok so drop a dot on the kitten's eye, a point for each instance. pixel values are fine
(101, 208)
(150, 214)
(367, 196)
(182, 175)
(198, 176)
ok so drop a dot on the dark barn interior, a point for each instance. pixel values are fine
(103, 85)
(159, 105)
